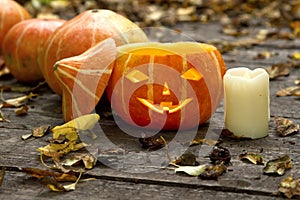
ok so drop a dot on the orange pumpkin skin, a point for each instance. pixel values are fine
(22, 47)
(82, 32)
(10, 13)
(166, 93)
(83, 78)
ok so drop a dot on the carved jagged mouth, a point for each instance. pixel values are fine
(165, 106)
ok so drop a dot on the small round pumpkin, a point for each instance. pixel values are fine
(82, 32)
(166, 86)
(22, 47)
(10, 13)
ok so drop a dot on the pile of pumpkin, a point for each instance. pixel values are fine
(149, 84)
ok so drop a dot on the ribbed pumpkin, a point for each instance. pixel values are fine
(84, 31)
(83, 78)
(22, 47)
(166, 85)
(10, 13)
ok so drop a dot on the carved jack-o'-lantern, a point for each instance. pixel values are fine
(166, 85)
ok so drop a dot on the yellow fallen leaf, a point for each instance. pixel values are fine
(85, 122)
(296, 56)
(16, 102)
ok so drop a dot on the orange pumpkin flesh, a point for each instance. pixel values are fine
(166, 85)
(83, 78)
(10, 13)
(84, 31)
(22, 47)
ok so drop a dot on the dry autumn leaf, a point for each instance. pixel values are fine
(2, 118)
(289, 91)
(16, 102)
(203, 140)
(87, 159)
(186, 159)
(213, 171)
(53, 184)
(40, 131)
(58, 176)
(295, 25)
(278, 70)
(285, 127)
(61, 149)
(290, 187)
(295, 56)
(23, 110)
(191, 170)
(152, 142)
(278, 165)
(220, 155)
(254, 158)
(82, 123)
(297, 81)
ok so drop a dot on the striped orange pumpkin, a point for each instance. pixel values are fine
(166, 85)
(22, 47)
(10, 13)
(83, 78)
(82, 32)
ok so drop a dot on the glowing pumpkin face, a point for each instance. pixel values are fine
(166, 86)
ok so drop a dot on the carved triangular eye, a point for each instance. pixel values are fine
(192, 74)
(166, 90)
(136, 76)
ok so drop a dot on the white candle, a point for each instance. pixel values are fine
(246, 102)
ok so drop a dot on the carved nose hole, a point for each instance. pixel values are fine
(166, 90)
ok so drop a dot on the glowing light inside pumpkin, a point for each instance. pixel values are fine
(136, 76)
(192, 74)
(165, 106)
(166, 90)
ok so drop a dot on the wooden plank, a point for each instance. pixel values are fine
(20, 186)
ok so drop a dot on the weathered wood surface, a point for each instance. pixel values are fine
(242, 180)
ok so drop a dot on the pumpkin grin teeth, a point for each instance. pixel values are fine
(165, 106)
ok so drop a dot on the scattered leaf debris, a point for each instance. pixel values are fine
(16, 102)
(285, 127)
(37, 132)
(200, 141)
(58, 176)
(191, 170)
(40, 131)
(278, 166)
(290, 187)
(278, 70)
(220, 155)
(23, 110)
(265, 55)
(53, 184)
(213, 171)
(2, 117)
(152, 143)
(289, 91)
(227, 133)
(297, 81)
(65, 139)
(295, 56)
(253, 158)
(186, 159)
